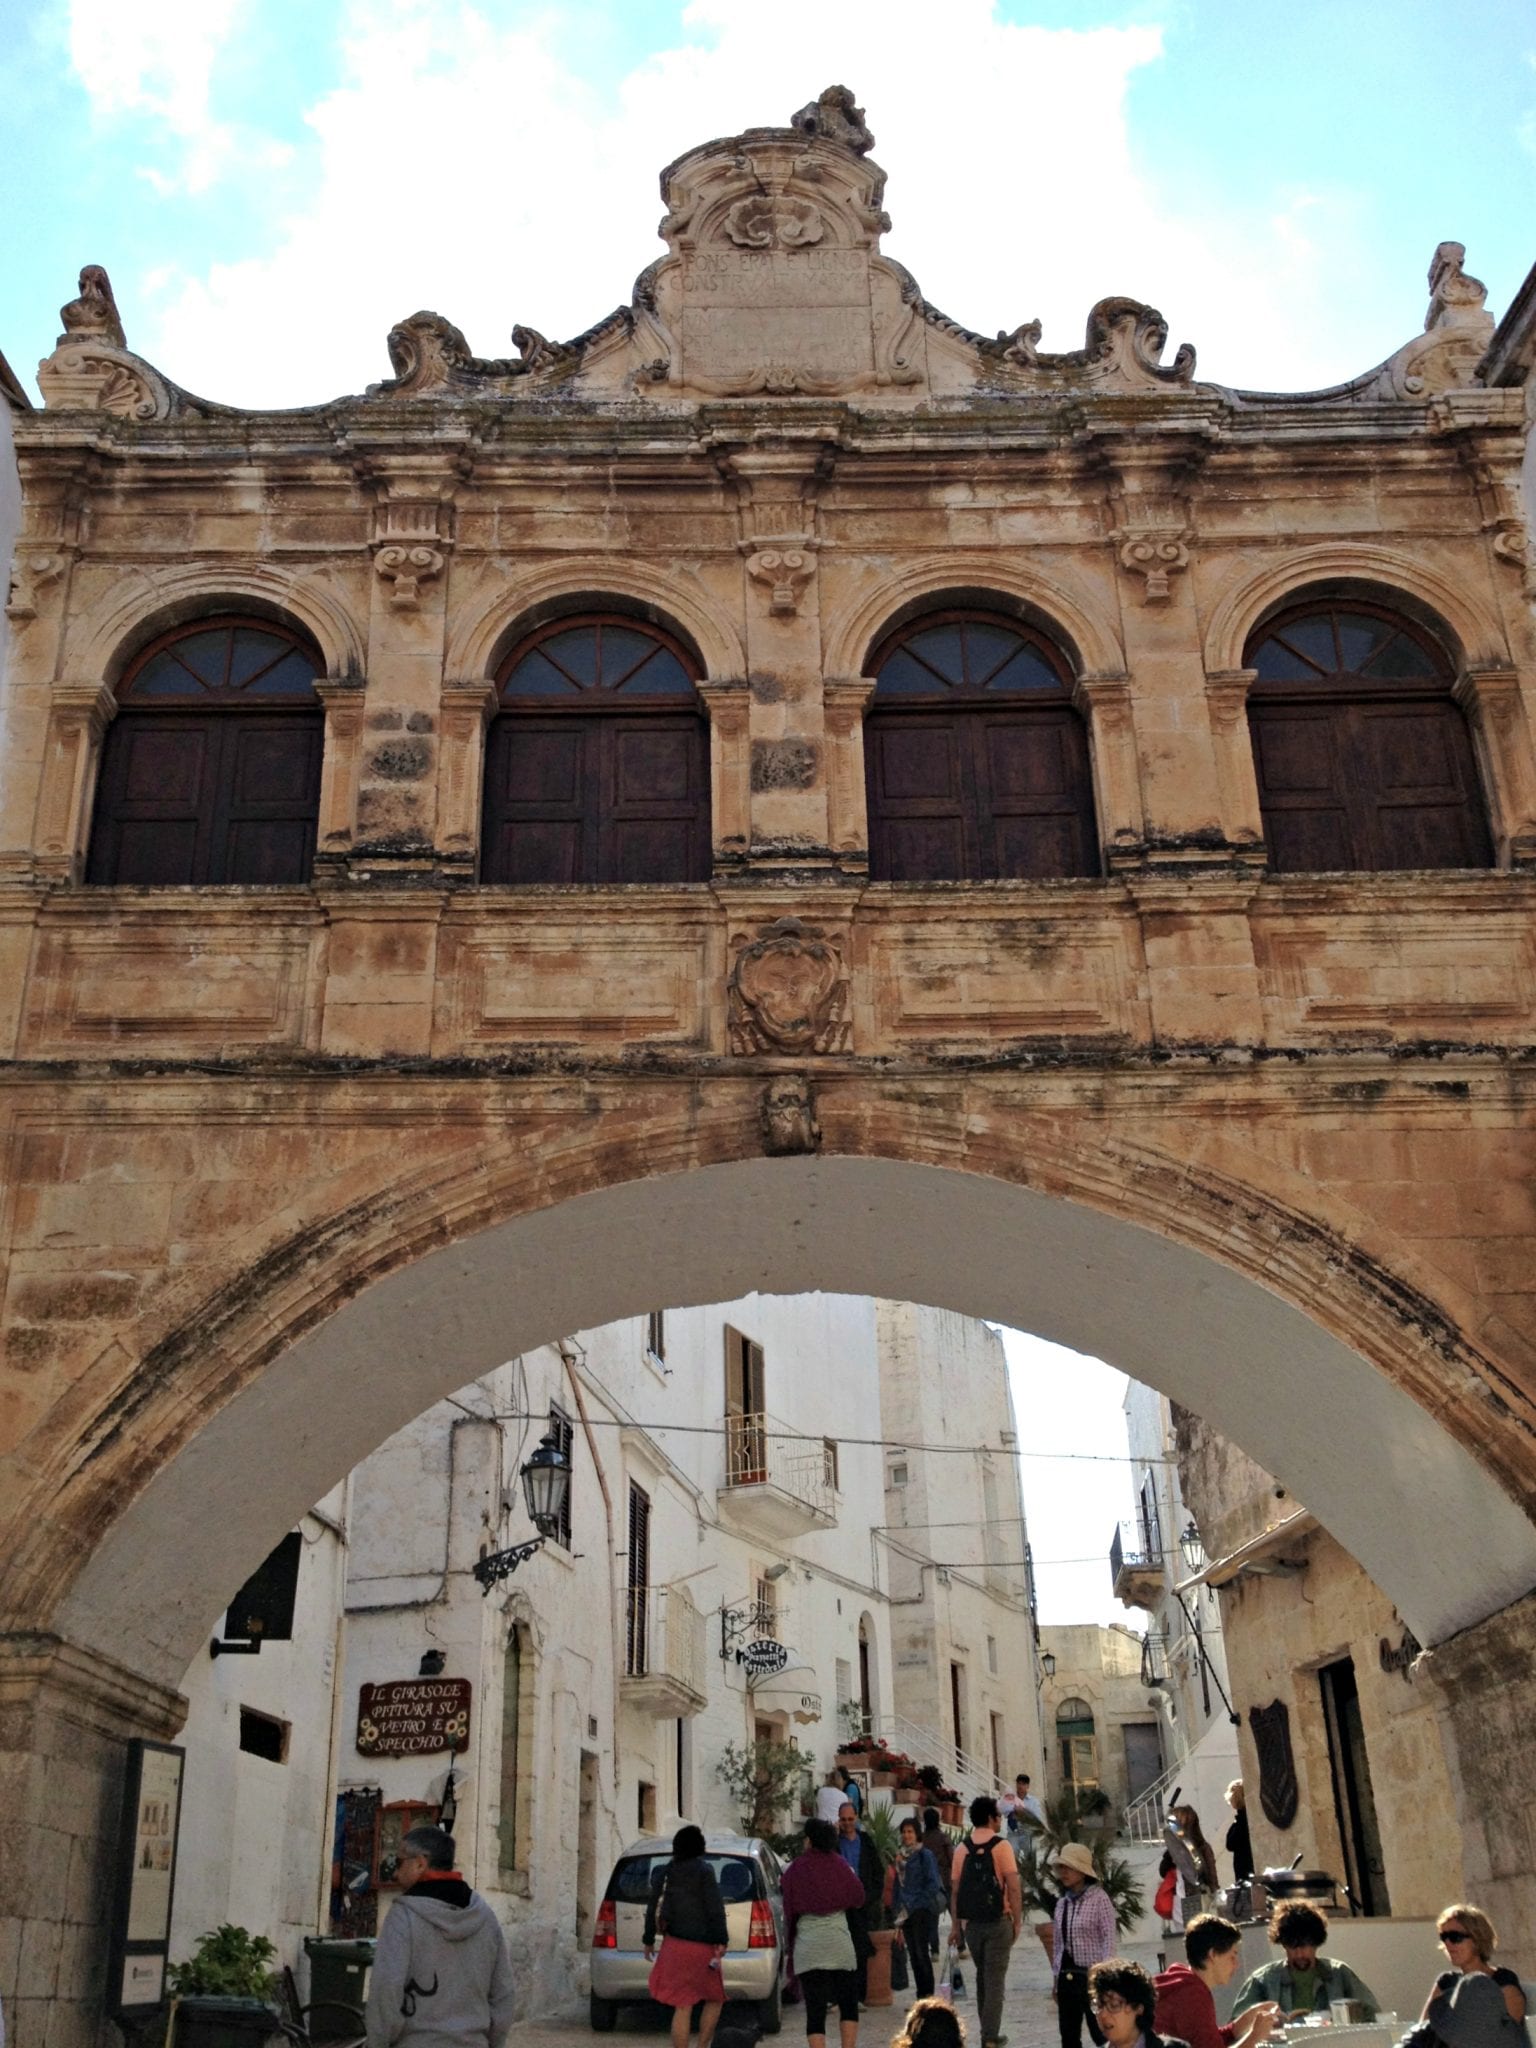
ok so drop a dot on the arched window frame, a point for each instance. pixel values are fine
(1344, 689)
(91, 716)
(502, 700)
(1085, 700)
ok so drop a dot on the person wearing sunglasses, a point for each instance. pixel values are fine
(1122, 1997)
(1474, 2004)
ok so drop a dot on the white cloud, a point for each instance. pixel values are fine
(158, 61)
(466, 166)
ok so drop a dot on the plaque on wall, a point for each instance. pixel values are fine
(146, 1875)
(413, 1717)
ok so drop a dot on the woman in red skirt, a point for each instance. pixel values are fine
(686, 1906)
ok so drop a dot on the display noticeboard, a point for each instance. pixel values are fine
(413, 1717)
(146, 1876)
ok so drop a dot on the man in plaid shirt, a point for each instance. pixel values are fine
(1085, 1935)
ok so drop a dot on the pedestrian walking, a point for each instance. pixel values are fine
(941, 1849)
(988, 1911)
(858, 1851)
(686, 1909)
(820, 1890)
(1084, 1934)
(441, 1972)
(917, 1894)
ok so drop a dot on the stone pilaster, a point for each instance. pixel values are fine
(728, 701)
(66, 1717)
(846, 701)
(1501, 732)
(79, 714)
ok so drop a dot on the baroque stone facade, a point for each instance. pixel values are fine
(285, 1160)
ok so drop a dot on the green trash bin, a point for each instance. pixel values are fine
(338, 1986)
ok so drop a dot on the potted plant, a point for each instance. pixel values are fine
(226, 1991)
(762, 1778)
(1064, 1822)
(881, 1826)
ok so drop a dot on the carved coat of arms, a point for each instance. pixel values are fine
(787, 991)
(1271, 1727)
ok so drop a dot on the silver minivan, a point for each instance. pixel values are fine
(752, 1969)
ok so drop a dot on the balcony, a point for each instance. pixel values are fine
(1136, 1568)
(779, 1482)
(664, 1661)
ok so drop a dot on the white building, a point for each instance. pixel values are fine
(729, 1486)
(1185, 1664)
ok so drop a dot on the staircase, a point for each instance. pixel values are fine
(1145, 1816)
(966, 1773)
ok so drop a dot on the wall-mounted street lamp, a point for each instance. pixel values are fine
(546, 1487)
(1192, 1549)
(1048, 1663)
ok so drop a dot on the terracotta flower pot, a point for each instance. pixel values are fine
(885, 1939)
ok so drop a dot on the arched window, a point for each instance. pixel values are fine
(597, 767)
(211, 768)
(1363, 758)
(976, 764)
(1079, 1747)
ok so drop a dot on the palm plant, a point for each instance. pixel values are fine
(1064, 1818)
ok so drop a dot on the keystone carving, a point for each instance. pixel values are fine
(1155, 556)
(30, 575)
(407, 568)
(766, 220)
(787, 991)
(784, 567)
(787, 1115)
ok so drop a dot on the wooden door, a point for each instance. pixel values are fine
(595, 797)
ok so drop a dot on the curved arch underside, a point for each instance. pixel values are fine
(1429, 1524)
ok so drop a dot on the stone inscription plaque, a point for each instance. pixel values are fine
(773, 318)
(413, 1717)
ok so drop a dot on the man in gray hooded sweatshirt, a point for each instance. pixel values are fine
(442, 1977)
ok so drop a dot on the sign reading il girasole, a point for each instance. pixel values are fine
(413, 1717)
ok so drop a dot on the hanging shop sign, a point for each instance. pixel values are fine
(413, 1717)
(763, 1658)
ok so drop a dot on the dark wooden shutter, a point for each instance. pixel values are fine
(564, 1434)
(638, 1579)
(597, 797)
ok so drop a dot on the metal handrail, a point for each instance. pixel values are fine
(664, 1637)
(760, 1450)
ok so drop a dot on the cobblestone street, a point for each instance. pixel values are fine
(1029, 2018)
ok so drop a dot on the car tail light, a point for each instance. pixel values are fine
(764, 1934)
(606, 1933)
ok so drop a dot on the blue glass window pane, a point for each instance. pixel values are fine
(1028, 670)
(535, 676)
(576, 653)
(1314, 639)
(1274, 662)
(987, 648)
(942, 648)
(164, 676)
(1357, 638)
(291, 675)
(661, 675)
(901, 676)
(1399, 659)
(623, 651)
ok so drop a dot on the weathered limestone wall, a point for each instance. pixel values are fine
(1102, 1666)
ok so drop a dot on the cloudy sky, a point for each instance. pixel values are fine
(272, 183)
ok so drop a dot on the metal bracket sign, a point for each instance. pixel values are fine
(763, 1659)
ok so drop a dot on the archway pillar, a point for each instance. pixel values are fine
(1242, 820)
(79, 714)
(1486, 1679)
(467, 710)
(1105, 701)
(728, 701)
(66, 1718)
(1495, 709)
(846, 699)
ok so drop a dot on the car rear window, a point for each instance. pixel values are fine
(630, 1883)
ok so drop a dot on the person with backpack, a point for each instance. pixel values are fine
(1084, 1934)
(987, 1911)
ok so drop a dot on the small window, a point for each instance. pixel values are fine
(829, 1461)
(656, 1335)
(897, 1473)
(992, 1655)
(261, 1735)
(645, 1808)
(262, 1610)
(210, 773)
(1363, 758)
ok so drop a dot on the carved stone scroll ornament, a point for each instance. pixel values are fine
(787, 991)
(407, 568)
(92, 369)
(785, 565)
(1278, 1791)
(31, 574)
(787, 1115)
(766, 220)
(1457, 331)
(1155, 555)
